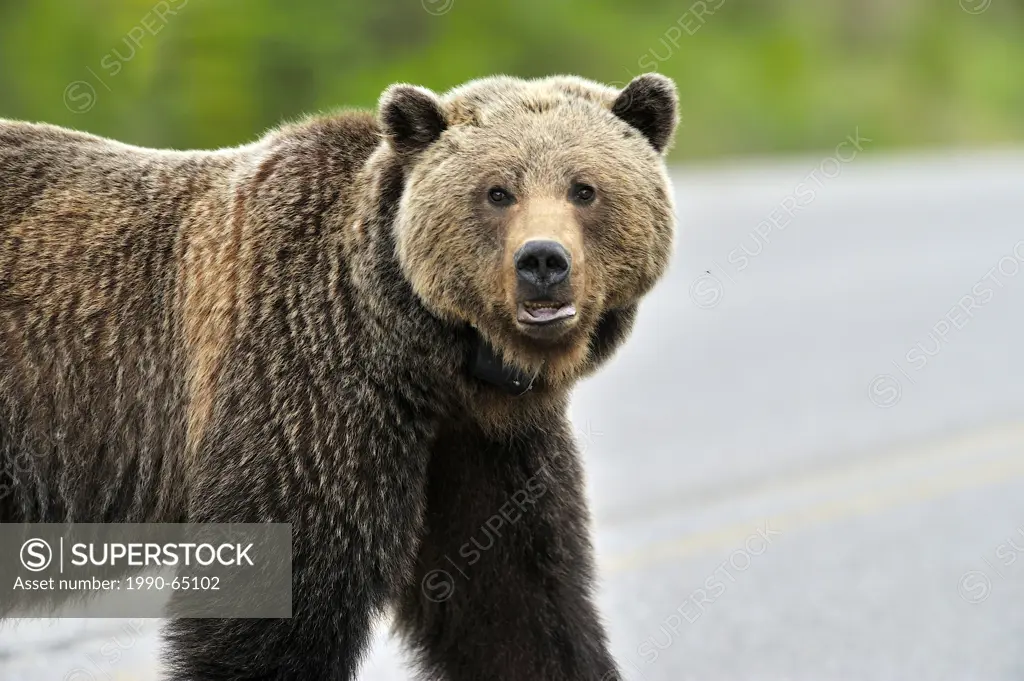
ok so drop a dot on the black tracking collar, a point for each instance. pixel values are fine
(486, 365)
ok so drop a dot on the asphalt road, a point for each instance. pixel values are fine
(807, 464)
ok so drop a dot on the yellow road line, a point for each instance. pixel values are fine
(992, 471)
(954, 447)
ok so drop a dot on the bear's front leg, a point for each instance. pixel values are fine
(333, 603)
(349, 475)
(503, 588)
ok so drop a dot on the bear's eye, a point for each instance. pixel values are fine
(499, 196)
(582, 193)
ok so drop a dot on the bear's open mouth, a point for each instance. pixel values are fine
(545, 312)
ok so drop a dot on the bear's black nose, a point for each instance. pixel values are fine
(542, 264)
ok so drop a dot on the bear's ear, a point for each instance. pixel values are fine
(649, 104)
(411, 117)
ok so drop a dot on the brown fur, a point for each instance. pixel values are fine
(209, 273)
(281, 332)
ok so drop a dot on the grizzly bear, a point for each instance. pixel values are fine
(365, 326)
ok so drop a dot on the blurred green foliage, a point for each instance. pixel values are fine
(755, 76)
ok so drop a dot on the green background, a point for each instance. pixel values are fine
(755, 76)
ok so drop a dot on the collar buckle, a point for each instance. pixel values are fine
(487, 366)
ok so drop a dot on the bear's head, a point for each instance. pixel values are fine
(538, 212)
